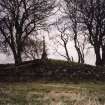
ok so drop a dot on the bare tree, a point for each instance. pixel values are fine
(91, 13)
(44, 51)
(71, 14)
(19, 19)
(33, 49)
(62, 38)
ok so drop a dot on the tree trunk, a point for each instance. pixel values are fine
(103, 55)
(18, 60)
(98, 56)
(80, 56)
(17, 57)
(67, 54)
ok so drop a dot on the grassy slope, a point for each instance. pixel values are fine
(55, 70)
(52, 94)
(56, 93)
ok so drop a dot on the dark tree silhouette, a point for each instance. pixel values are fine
(64, 39)
(92, 15)
(33, 48)
(19, 19)
(71, 12)
(44, 52)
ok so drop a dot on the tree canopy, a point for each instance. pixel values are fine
(19, 19)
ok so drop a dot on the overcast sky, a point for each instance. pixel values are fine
(89, 57)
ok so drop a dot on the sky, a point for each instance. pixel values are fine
(51, 46)
(89, 57)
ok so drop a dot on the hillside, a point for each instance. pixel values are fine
(51, 70)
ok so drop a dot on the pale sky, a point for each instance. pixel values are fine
(89, 58)
(51, 46)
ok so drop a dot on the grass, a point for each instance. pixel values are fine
(52, 94)
(60, 92)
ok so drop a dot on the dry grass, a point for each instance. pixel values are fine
(52, 94)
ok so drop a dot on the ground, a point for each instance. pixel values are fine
(37, 93)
